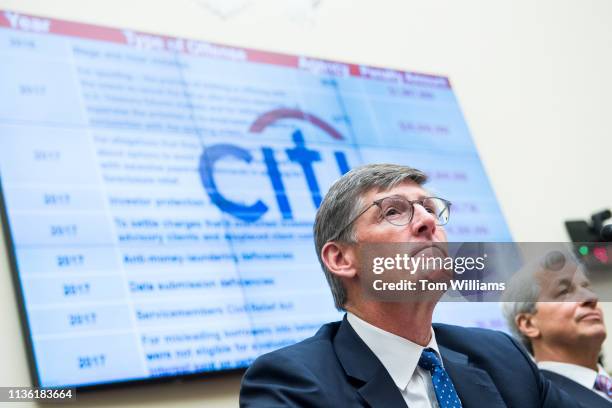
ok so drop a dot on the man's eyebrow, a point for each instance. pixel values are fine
(419, 197)
(564, 281)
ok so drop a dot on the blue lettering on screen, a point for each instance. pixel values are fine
(299, 154)
(207, 164)
(305, 157)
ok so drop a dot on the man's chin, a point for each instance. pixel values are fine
(594, 330)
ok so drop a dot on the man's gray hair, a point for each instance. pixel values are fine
(523, 290)
(513, 309)
(344, 201)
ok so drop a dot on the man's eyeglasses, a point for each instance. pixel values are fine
(398, 210)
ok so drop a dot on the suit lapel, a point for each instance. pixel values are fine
(374, 383)
(474, 386)
(381, 391)
(582, 394)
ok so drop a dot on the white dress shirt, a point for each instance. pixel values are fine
(400, 357)
(582, 375)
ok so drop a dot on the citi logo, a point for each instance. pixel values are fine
(306, 158)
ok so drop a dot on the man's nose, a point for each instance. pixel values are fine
(588, 298)
(423, 222)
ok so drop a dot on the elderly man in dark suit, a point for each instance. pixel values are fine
(561, 324)
(388, 354)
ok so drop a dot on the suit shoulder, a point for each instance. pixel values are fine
(473, 333)
(305, 351)
(290, 376)
(479, 340)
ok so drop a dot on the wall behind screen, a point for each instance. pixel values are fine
(532, 78)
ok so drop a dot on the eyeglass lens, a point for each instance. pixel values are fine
(398, 210)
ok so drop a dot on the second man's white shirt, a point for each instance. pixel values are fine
(400, 357)
(582, 375)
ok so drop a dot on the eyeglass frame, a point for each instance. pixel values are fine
(380, 200)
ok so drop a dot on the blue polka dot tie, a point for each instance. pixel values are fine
(443, 386)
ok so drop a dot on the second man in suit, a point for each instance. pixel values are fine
(561, 324)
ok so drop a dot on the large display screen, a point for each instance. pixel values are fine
(159, 193)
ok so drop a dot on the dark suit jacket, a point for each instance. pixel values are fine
(335, 368)
(583, 395)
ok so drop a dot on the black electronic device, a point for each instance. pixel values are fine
(593, 241)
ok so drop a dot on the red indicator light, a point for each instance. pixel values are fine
(601, 254)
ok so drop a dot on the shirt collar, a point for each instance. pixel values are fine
(582, 375)
(397, 354)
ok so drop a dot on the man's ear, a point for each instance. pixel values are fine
(340, 259)
(527, 325)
